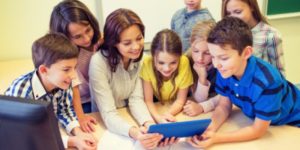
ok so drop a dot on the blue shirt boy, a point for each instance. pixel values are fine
(263, 92)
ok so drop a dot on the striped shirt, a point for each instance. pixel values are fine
(264, 93)
(267, 45)
(29, 86)
(182, 23)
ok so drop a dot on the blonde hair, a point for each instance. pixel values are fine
(200, 33)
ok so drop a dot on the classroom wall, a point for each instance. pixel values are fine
(22, 22)
(289, 29)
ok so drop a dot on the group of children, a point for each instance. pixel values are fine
(219, 64)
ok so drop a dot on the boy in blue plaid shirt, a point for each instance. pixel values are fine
(55, 59)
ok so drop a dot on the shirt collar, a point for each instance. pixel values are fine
(248, 73)
(132, 65)
(258, 27)
(37, 87)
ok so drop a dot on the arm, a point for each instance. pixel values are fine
(203, 85)
(201, 92)
(148, 96)
(220, 113)
(210, 104)
(137, 104)
(254, 131)
(86, 122)
(177, 106)
(65, 112)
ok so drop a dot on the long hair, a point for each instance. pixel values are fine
(165, 41)
(253, 6)
(73, 11)
(118, 21)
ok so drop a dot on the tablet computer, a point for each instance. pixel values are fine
(180, 129)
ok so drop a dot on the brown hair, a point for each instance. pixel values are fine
(51, 48)
(232, 31)
(118, 21)
(165, 41)
(69, 11)
(257, 15)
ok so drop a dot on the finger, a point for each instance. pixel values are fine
(172, 140)
(83, 127)
(176, 140)
(93, 120)
(86, 127)
(188, 102)
(165, 141)
(91, 127)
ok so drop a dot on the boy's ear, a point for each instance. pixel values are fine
(42, 69)
(248, 52)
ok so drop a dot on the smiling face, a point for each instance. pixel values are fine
(166, 63)
(200, 53)
(240, 9)
(228, 61)
(131, 43)
(59, 74)
(81, 34)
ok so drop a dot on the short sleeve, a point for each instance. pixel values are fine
(185, 76)
(145, 72)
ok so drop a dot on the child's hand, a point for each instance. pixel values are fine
(87, 123)
(147, 140)
(201, 72)
(83, 141)
(203, 141)
(168, 141)
(192, 108)
(167, 117)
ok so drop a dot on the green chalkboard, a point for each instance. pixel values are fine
(277, 7)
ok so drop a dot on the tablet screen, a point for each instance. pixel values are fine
(180, 129)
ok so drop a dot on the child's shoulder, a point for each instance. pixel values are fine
(179, 12)
(147, 58)
(184, 59)
(19, 84)
(267, 73)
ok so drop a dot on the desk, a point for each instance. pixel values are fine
(277, 137)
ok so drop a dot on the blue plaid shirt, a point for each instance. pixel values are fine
(267, 45)
(30, 86)
(183, 22)
(264, 93)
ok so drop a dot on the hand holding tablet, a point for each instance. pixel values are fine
(180, 129)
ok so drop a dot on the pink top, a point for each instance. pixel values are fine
(82, 78)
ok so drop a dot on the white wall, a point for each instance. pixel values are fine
(155, 14)
(24, 21)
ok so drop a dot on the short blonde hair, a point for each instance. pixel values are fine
(200, 32)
